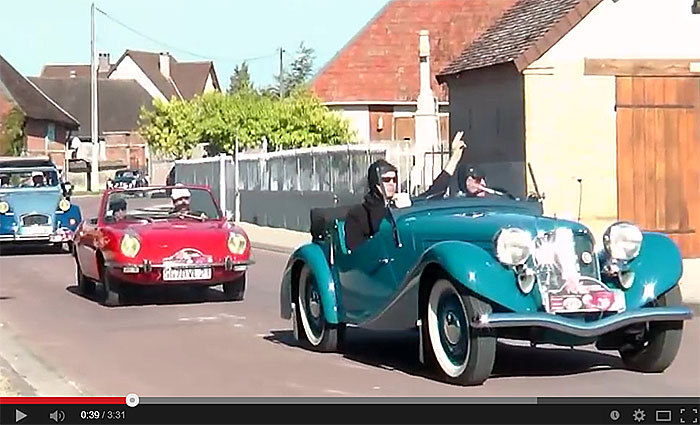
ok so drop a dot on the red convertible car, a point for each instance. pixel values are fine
(170, 235)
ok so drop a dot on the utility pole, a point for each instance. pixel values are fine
(94, 171)
(281, 72)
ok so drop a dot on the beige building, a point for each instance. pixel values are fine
(602, 91)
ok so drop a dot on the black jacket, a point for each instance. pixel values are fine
(362, 221)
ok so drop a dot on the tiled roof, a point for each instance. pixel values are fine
(522, 34)
(119, 106)
(381, 62)
(30, 99)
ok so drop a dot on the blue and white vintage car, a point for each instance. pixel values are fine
(35, 205)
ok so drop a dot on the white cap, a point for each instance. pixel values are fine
(178, 193)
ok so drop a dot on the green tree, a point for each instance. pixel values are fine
(171, 128)
(240, 80)
(299, 120)
(12, 132)
(301, 69)
(298, 75)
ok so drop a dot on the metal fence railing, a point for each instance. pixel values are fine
(279, 188)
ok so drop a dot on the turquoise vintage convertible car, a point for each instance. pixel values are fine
(466, 271)
(35, 205)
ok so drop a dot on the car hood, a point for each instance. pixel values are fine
(481, 228)
(163, 239)
(41, 200)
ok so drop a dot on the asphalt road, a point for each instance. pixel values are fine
(179, 343)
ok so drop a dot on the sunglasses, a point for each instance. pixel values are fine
(389, 179)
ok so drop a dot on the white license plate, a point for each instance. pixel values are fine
(36, 230)
(198, 273)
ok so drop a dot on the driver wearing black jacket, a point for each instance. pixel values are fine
(362, 221)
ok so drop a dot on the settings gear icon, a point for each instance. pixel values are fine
(639, 415)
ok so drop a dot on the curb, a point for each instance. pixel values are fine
(33, 374)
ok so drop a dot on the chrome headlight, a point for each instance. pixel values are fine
(514, 246)
(64, 205)
(623, 241)
(130, 245)
(4, 207)
(237, 243)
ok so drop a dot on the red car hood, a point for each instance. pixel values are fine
(162, 240)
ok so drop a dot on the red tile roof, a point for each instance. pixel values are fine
(381, 62)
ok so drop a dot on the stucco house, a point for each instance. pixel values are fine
(601, 97)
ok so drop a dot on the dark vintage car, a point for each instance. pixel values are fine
(464, 272)
(141, 238)
(127, 179)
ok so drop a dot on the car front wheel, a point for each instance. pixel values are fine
(310, 326)
(235, 290)
(658, 345)
(461, 354)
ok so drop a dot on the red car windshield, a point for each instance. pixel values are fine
(161, 204)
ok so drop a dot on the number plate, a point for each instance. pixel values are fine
(181, 273)
(37, 230)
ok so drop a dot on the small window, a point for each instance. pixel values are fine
(696, 7)
(51, 131)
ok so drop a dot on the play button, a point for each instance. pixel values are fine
(19, 415)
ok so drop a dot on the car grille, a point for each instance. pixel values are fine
(561, 253)
(35, 220)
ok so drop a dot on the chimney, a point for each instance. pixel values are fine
(164, 64)
(103, 63)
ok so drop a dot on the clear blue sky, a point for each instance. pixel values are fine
(35, 32)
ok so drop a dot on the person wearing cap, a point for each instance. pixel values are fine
(362, 221)
(181, 199)
(118, 208)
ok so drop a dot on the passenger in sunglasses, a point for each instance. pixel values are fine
(362, 221)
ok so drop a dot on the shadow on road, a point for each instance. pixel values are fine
(157, 295)
(399, 351)
(22, 250)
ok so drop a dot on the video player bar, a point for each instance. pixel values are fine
(350, 411)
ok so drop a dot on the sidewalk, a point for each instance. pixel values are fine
(286, 241)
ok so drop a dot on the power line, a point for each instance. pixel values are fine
(175, 48)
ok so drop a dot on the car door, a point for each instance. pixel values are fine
(86, 248)
(366, 276)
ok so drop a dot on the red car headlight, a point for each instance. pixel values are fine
(130, 245)
(237, 243)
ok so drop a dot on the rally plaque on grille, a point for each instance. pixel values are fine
(588, 296)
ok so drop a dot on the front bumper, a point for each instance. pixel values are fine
(61, 235)
(152, 274)
(581, 328)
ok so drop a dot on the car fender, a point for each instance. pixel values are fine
(73, 212)
(313, 256)
(479, 272)
(659, 265)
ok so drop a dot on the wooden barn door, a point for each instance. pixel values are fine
(658, 156)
